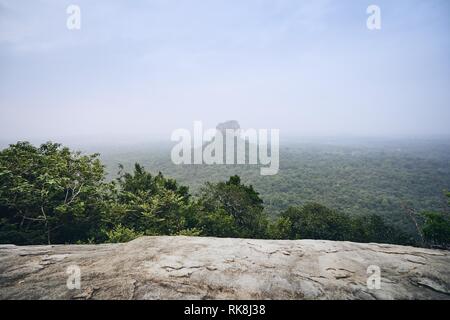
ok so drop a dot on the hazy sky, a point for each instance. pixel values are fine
(145, 68)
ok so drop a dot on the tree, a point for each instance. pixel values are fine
(436, 227)
(148, 205)
(233, 203)
(314, 221)
(49, 194)
(372, 228)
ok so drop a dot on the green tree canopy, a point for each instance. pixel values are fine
(49, 194)
(436, 227)
(236, 205)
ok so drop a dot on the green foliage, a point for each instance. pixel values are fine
(236, 205)
(192, 232)
(436, 227)
(281, 228)
(150, 205)
(315, 221)
(358, 178)
(121, 234)
(49, 194)
(217, 223)
(372, 228)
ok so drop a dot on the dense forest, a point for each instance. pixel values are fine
(388, 178)
(50, 194)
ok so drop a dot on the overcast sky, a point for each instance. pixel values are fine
(145, 68)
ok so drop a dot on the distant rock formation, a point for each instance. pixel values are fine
(230, 125)
(214, 268)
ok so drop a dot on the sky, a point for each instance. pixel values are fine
(142, 69)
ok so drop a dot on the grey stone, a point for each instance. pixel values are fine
(223, 268)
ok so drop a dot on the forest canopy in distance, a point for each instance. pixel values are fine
(50, 194)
